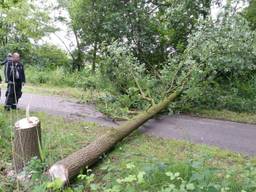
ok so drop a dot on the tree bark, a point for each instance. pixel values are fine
(27, 142)
(79, 60)
(95, 48)
(70, 166)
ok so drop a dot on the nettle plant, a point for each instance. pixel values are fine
(194, 175)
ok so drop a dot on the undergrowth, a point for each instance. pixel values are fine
(237, 95)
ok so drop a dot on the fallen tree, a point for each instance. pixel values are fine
(180, 74)
(70, 166)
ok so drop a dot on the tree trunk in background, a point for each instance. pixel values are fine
(27, 142)
(72, 165)
(94, 57)
(79, 59)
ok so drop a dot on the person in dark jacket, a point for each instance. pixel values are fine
(15, 77)
(5, 62)
(8, 58)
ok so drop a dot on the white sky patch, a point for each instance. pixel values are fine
(64, 36)
(215, 11)
(237, 6)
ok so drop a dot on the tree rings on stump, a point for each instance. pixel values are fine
(27, 141)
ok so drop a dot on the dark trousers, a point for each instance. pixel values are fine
(13, 94)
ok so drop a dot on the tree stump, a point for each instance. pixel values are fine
(27, 142)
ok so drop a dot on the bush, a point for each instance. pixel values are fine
(119, 66)
(62, 77)
(235, 96)
(48, 56)
(56, 77)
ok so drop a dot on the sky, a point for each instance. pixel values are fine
(64, 33)
(68, 37)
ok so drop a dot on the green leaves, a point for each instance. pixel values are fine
(22, 25)
(55, 185)
(172, 176)
(23, 21)
(152, 30)
(224, 47)
(250, 14)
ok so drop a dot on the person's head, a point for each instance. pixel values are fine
(9, 55)
(16, 57)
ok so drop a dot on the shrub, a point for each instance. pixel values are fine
(48, 56)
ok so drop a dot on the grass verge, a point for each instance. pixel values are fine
(225, 115)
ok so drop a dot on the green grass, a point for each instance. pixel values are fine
(68, 92)
(139, 163)
(242, 117)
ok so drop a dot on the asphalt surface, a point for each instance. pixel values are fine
(232, 136)
(59, 106)
(237, 137)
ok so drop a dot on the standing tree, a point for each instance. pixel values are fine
(21, 23)
(153, 29)
(77, 54)
(87, 23)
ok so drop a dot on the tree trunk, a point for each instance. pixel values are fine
(95, 47)
(79, 60)
(27, 141)
(72, 165)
